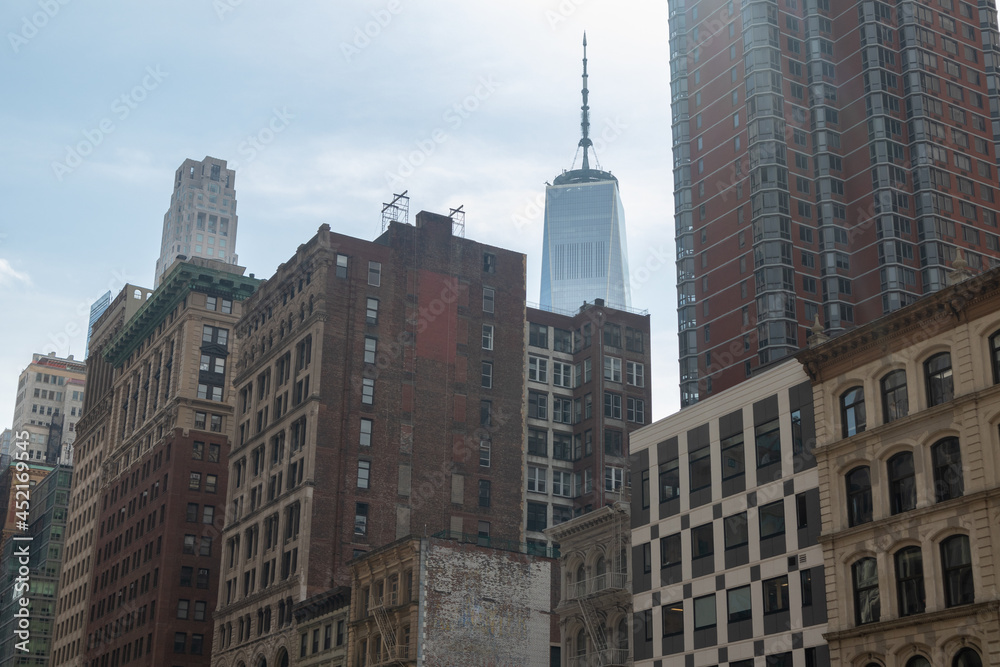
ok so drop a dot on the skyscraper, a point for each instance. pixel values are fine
(584, 251)
(96, 310)
(827, 163)
(201, 220)
(49, 403)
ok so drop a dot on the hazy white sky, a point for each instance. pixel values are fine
(460, 102)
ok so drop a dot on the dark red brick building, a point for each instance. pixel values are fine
(379, 394)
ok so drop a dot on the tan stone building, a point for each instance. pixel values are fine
(595, 587)
(49, 404)
(907, 415)
(320, 630)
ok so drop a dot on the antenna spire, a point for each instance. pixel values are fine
(585, 142)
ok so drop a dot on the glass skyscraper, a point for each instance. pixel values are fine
(584, 251)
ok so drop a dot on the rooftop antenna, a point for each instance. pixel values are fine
(585, 142)
(457, 216)
(398, 210)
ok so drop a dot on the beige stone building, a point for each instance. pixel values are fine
(907, 415)
(48, 406)
(595, 587)
(320, 630)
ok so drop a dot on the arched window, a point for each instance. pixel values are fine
(918, 661)
(859, 496)
(902, 483)
(623, 634)
(852, 411)
(940, 385)
(894, 402)
(956, 571)
(581, 580)
(581, 643)
(599, 571)
(282, 660)
(910, 581)
(867, 607)
(967, 657)
(948, 478)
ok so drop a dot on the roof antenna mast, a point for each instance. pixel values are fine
(585, 142)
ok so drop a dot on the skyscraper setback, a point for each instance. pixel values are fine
(829, 162)
(584, 251)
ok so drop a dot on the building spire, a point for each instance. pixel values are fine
(585, 142)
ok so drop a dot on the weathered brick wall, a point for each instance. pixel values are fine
(485, 607)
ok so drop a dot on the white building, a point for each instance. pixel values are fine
(201, 220)
(49, 403)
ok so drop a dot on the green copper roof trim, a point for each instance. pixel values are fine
(176, 286)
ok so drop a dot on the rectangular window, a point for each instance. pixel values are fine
(538, 442)
(364, 473)
(538, 335)
(341, 266)
(635, 410)
(612, 405)
(538, 405)
(361, 518)
(635, 374)
(366, 433)
(537, 516)
(374, 274)
(487, 336)
(489, 296)
(612, 369)
(775, 594)
(371, 312)
(484, 493)
(536, 479)
(367, 391)
(538, 369)
(768, 443)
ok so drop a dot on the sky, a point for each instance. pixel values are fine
(325, 109)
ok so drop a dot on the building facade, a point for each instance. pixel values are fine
(436, 601)
(726, 561)
(587, 387)
(319, 630)
(907, 418)
(49, 403)
(73, 604)
(362, 418)
(595, 587)
(49, 500)
(584, 248)
(12, 490)
(829, 159)
(96, 310)
(201, 220)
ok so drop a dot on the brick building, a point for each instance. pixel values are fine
(830, 158)
(587, 386)
(379, 394)
(72, 607)
(907, 414)
(436, 601)
(163, 474)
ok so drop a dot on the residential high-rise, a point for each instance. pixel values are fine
(361, 417)
(201, 220)
(584, 250)
(909, 464)
(49, 403)
(829, 160)
(73, 603)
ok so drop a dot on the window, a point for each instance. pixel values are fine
(733, 463)
(612, 335)
(374, 274)
(635, 410)
(371, 312)
(670, 480)
(700, 468)
(489, 262)
(772, 519)
(341, 266)
(194, 481)
(487, 375)
(704, 612)
(180, 642)
(192, 513)
(867, 608)
(635, 374)
(536, 516)
(484, 493)
(613, 369)
(538, 405)
(485, 452)
(538, 442)
(995, 356)
(768, 443)
(859, 496)
(852, 411)
(367, 391)
(670, 550)
(702, 541)
(612, 405)
(967, 657)
(775, 595)
(614, 478)
(562, 374)
(182, 609)
(365, 439)
(940, 387)
(902, 484)
(735, 529)
(536, 479)
(211, 481)
(948, 478)
(371, 349)
(894, 401)
(612, 442)
(538, 335)
(739, 604)
(956, 569)
(910, 581)
(360, 518)
(198, 450)
(489, 295)
(208, 514)
(538, 369)
(364, 473)
(487, 336)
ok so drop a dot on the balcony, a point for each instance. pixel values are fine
(609, 657)
(609, 581)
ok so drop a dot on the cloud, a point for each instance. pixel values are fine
(8, 274)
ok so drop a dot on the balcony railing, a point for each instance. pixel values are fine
(602, 582)
(611, 657)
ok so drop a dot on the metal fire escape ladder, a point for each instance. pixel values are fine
(388, 632)
(594, 629)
